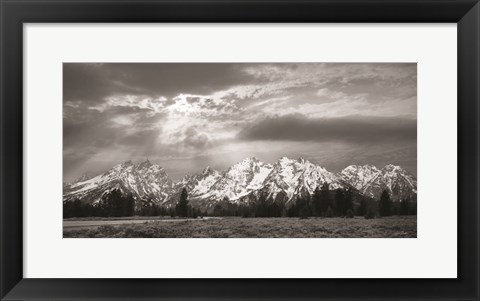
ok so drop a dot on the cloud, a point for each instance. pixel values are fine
(92, 82)
(122, 111)
(122, 121)
(351, 129)
(327, 93)
(143, 102)
(200, 105)
(195, 139)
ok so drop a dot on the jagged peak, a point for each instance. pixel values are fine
(130, 166)
(144, 164)
(123, 165)
(208, 170)
(185, 178)
(391, 167)
(245, 162)
(354, 167)
(250, 159)
(285, 159)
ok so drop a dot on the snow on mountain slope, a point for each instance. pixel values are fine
(298, 176)
(199, 184)
(371, 181)
(399, 182)
(143, 180)
(239, 180)
(359, 176)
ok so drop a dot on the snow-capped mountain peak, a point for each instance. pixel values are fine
(371, 181)
(144, 180)
(292, 177)
(240, 179)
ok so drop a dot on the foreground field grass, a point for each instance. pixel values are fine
(395, 226)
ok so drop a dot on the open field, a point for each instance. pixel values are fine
(394, 227)
(92, 222)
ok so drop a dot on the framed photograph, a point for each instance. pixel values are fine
(241, 160)
(239, 150)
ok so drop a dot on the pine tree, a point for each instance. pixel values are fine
(340, 201)
(182, 205)
(227, 209)
(362, 209)
(385, 204)
(77, 209)
(325, 200)
(329, 212)
(261, 206)
(316, 202)
(412, 210)
(129, 205)
(218, 210)
(292, 211)
(404, 205)
(302, 207)
(348, 199)
(370, 213)
(304, 212)
(67, 209)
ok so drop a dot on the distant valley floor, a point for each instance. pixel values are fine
(236, 227)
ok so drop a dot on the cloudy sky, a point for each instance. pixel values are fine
(187, 116)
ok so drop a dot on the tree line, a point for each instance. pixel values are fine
(112, 204)
(116, 204)
(323, 203)
(340, 202)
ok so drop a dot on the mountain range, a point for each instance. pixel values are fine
(283, 181)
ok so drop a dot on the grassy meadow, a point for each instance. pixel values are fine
(236, 227)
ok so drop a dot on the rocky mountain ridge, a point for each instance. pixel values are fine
(283, 181)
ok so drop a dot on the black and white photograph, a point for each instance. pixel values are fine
(240, 150)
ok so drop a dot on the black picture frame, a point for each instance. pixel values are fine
(14, 13)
